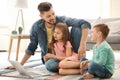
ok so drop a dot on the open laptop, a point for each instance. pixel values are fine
(34, 73)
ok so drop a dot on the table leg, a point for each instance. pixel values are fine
(10, 46)
(18, 46)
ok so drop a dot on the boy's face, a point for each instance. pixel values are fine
(94, 35)
(49, 17)
(58, 35)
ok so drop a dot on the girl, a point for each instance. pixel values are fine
(61, 48)
(102, 63)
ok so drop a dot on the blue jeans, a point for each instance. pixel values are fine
(76, 34)
(52, 65)
(96, 69)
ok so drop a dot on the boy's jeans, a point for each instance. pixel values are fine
(97, 70)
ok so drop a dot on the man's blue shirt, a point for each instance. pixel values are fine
(38, 33)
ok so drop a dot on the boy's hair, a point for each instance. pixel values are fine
(44, 6)
(103, 28)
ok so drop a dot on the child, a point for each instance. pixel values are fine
(61, 48)
(102, 63)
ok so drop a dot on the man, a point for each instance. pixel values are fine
(41, 32)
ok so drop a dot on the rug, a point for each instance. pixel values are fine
(56, 76)
(28, 64)
(116, 76)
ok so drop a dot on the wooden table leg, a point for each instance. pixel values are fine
(18, 46)
(10, 46)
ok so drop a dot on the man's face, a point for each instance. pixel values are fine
(49, 17)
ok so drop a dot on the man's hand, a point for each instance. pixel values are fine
(81, 52)
(10, 67)
(82, 48)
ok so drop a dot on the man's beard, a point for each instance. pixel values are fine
(49, 22)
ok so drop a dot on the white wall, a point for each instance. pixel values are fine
(115, 8)
(72, 8)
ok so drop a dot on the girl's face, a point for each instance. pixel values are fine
(58, 35)
(94, 35)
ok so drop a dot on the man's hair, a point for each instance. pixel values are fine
(44, 6)
(103, 28)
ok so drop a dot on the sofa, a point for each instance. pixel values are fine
(114, 36)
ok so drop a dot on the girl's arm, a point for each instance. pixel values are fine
(68, 54)
(68, 51)
(53, 52)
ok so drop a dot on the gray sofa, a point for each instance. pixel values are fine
(114, 36)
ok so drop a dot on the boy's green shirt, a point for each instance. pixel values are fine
(103, 55)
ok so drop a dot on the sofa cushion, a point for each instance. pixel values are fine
(114, 24)
(114, 27)
(110, 39)
(114, 38)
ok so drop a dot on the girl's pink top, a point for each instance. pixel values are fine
(59, 50)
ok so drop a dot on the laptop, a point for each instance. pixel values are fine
(38, 72)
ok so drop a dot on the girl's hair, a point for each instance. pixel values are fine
(103, 28)
(65, 31)
(44, 6)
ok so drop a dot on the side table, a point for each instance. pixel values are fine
(18, 37)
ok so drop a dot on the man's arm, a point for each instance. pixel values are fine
(82, 48)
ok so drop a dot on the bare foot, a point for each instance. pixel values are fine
(81, 72)
(88, 76)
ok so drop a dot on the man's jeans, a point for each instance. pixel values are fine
(76, 34)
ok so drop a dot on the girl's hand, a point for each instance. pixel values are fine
(45, 58)
(48, 55)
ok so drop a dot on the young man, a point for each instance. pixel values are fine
(41, 32)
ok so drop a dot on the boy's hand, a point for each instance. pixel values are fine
(83, 65)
